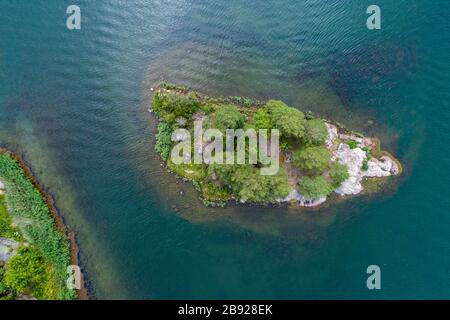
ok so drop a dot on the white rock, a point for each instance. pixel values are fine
(2, 186)
(332, 134)
(354, 159)
(377, 168)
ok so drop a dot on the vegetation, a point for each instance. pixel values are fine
(261, 120)
(302, 139)
(352, 144)
(290, 121)
(229, 117)
(171, 106)
(49, 246)
(338, 174)
(26, 273)
(164, 139)
(312, 160)
(314, 187)
(315, 132)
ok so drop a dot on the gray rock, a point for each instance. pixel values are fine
(8, 248)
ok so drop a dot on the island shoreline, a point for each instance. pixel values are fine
(370, 145)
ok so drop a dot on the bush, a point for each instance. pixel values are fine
(229, 117)
(314, 187)
(175, 104)
(312, 160)
(365, 165)
(25, 272)
(164, 140)
(352, 144)
(338, 174)
(316, 132)
(221, 174)
(290, 121)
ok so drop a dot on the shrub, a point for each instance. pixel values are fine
(314, 187)
(229, 117)
(290, 121)
(316, 132)
(365, 165)
(312, 160)
(175, 104)
(338, 174)
(164, 140)
(25, 272)
(352, 144)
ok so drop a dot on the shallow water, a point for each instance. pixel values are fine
(75, 104)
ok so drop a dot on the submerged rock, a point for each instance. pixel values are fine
(294, 195)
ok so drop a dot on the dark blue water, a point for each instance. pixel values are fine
(74, 103)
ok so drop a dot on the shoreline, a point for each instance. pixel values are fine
(70, 235)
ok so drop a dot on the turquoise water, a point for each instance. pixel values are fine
(74, 103)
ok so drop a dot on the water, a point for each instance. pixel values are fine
(74, 104)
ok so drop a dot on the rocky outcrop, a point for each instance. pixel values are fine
(354, 159)
(332, 135)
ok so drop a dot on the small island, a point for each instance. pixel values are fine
(34, 249)
(317, 157)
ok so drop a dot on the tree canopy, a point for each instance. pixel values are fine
(338, 174)
(316, 132)
(229, 117)
(314, 187)
(312, 160)
(173, 105)
(261, 120)
(290, 121)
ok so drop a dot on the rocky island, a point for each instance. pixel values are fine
(315, 157)
(34, 249)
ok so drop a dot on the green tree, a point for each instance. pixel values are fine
(229, 117)
(338, 174)
(314, 187)
(316, 132)
(290, 121)
(250, 186)
(312, 160)
(261, 120)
